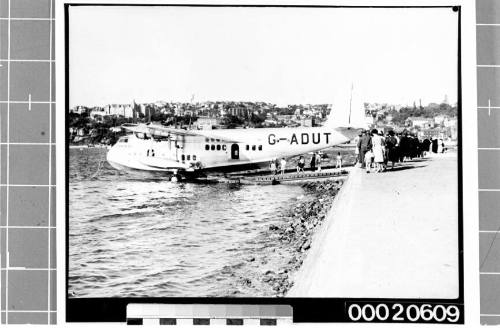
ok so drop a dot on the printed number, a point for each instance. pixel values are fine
(409, 312)
(412, 312)
(442, 317)
(426, 312)
(368, 312)
(358, 312)
(386, 312)
(400, 310)
(365, 310)
(453, 313)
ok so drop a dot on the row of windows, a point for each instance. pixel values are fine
(254, 147)
(215, 147)
(187, 157)
(223, 147)
(211, 140)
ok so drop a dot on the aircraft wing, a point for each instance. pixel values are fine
(158, 130)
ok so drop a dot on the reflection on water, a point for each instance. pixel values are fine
(141, 236)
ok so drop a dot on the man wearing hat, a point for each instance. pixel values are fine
(365, 144)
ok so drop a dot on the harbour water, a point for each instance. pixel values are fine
(141, 236)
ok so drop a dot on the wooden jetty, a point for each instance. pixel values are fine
(286, 178)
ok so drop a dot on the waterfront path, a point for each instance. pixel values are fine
(393, 234)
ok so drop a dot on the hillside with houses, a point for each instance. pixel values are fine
(102, 124)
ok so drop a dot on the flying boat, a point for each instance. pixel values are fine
(181, 153)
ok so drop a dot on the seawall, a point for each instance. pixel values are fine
(393, 234)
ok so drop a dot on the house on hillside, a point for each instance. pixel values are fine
(420, 122)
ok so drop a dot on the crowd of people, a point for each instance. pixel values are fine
(279, 165)
(374, 150)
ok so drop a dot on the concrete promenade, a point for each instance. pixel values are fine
(393, 234)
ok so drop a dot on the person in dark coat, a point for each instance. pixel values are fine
(413, 147)
(390, 145)
(403, 147)
(313, 162)
(434, 145)
(365, 144)
(425, 146)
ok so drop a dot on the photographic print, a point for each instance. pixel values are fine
(263, 152)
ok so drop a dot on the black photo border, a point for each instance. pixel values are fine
(305, 309)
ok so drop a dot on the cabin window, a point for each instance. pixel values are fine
(253, 147)
(188, 157)
(260, 147)
(218, 147)
(218, 140)
(141, 135)
(212, 147)
(223, 147)
(207, 147)
(123, 140)
(194, 157)
(207, 140)
(182, 157)
(212, 139)
(248, 147)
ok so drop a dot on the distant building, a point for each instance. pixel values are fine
(453, 132)
(435, 133)
(126, 110)
(307, 122)
(440, 119)
(98, 113)
(79, 110)
(308, 112)
(270, 122)
(237, 111)
(369, 119)
(450, 122)
(420, 122)
(284, 118)
(207, 123)
(178, 110)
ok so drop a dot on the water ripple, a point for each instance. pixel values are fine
(140, 236)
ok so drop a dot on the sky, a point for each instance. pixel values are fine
(278, 55)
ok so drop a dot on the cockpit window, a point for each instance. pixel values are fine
(141, 135)
(123, 140)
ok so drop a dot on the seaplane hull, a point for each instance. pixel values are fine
(161, 149)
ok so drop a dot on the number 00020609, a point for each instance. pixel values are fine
(398, 312)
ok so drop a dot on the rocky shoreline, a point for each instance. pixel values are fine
(281, 248)
(298, 229)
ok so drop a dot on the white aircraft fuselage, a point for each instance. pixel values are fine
(224, 150)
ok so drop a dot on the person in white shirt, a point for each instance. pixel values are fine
(283, 165)
(338, 163)
(368, 160)
(318, 162)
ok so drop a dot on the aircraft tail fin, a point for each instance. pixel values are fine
(347, 111)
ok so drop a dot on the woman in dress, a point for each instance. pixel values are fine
(378, 150)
